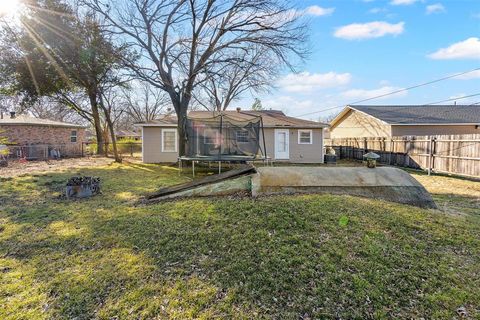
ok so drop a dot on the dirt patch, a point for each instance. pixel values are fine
(16, 168)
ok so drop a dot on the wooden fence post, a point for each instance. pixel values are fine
(406, 160)
(392, 149)
(430, 153)
(433, 151)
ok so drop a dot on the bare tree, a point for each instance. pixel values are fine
(144, 102)
(48, 108)
(113, 108)
(253, 71)
(179, 40)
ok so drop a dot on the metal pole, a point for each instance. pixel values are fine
(193, 168)
(263, 138)
(221, 141)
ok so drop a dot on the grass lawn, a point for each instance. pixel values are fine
(284, 257)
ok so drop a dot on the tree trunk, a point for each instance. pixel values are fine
(106, 133)
(96, 122)
(111, 129)
(181, 112)
(114, 141)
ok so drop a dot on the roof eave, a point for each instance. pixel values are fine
(435, 124)
(339, 116)
(155, 125)
(42, 125)
(297, 126)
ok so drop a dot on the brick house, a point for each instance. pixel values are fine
(33, 137)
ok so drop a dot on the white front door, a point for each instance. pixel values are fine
(282, 138)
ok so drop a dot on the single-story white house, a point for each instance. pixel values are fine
(287, 138)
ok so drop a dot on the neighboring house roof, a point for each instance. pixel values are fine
(271, 119)
(418, 114)
(127, 133)
(26, 120)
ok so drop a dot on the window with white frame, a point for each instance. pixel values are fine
(210, 136)
(304, 136)
(169, 140)
(242, 136)
(73, 136)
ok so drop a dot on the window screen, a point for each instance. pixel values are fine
(169, 141)
(242, 136)
(304, 136)
(73, 136)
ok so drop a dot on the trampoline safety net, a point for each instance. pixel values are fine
(223, 138)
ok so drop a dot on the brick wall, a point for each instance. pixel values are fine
(27, 135)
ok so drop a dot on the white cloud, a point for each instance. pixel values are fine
(468, 76)
(435, 8)
(402, 2)
(467, 49)
(377, 10)
(360, 94)
(306, 81)
(375, 29)
(288, 103)
(318, 11)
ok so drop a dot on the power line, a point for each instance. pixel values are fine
(453, 99)
(393, 92)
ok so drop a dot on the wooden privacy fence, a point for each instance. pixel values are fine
(456, 154)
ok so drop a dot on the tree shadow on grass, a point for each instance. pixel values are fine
(279, 257)
(454, 203)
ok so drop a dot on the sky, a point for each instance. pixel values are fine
(364, 48)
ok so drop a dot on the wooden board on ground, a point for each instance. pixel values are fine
(203, 181)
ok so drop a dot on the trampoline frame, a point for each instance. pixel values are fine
(266, 160)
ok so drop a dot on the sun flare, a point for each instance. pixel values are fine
(9, 7)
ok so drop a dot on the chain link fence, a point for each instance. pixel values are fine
(125, 149)
(41, 151)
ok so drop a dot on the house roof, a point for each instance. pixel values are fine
(26, 120)
(271, 119)
(127, 133)
(418, 114)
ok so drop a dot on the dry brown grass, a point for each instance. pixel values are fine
(453, 195)
(16, 168)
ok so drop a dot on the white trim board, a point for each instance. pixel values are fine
(176, 140)
(282, 155)
(303, 130)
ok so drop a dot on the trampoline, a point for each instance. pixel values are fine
(224, 138)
